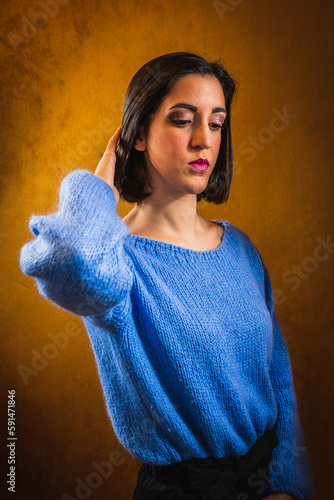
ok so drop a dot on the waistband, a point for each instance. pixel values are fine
(220, 472)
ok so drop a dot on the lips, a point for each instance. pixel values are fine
(200, 164)
(200, 161)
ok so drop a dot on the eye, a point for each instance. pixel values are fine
(183, 123)
(219, 127)
(180, 123)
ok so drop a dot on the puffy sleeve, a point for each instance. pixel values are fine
(289, 469)
(77, 256)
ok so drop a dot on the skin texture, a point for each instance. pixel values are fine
(106, 167)
(169, 147)
(170, 213)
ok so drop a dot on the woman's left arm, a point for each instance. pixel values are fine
(289, 469)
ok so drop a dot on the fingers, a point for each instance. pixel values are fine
(112, 144)
(106, 166)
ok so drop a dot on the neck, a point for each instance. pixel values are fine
(172, 216)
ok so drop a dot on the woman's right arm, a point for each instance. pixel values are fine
(77, 256)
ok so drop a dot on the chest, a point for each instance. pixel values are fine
(193, 305)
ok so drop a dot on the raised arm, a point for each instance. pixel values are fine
(77, 256)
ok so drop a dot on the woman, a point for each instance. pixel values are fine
(179, 309)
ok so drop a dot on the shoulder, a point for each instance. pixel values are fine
(243, 242)
(249, 255)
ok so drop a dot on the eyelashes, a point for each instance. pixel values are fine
(182, 123)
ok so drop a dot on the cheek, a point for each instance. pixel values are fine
(173, 139)
(215, 147)
(217, 143)
(170, 144)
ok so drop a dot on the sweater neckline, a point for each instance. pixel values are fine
(163, 246)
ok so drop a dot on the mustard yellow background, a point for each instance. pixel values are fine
(65, 69)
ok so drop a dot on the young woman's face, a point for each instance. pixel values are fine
(186, 127)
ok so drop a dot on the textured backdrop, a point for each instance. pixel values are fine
(65, 69)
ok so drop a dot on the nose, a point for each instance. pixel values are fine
(201, 137)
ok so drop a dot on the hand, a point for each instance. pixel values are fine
(279, 496)
(106, 167)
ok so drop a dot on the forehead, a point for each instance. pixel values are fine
(200, 90)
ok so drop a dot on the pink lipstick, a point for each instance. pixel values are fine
(201, 164)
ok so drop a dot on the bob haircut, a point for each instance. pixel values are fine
(146, 91)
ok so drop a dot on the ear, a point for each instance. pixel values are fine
(140, 144)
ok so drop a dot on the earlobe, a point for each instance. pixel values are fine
(140, 143)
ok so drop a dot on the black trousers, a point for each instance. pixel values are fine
(226, 478)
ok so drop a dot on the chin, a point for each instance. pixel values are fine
(199, 188)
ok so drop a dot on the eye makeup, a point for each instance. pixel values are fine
(194, 108)
(182, 115)
(177, 117)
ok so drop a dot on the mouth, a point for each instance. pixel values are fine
(200, 164)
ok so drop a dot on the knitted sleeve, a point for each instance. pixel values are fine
(77, 256)
(289, 470)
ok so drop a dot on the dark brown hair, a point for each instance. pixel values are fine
(147, 89)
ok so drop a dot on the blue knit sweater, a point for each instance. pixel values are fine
(192, 359)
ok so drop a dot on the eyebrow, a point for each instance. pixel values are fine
(194, 108)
